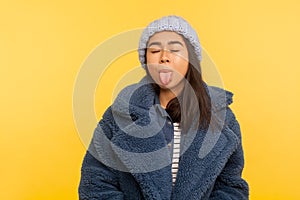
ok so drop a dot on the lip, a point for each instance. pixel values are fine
(165, 70)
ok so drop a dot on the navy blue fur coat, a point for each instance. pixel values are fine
(126, 160)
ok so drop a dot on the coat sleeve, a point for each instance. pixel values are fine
(98, 181)
(229, 184)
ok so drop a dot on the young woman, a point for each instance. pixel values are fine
(170, 136)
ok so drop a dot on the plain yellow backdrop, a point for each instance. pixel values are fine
(255, 45)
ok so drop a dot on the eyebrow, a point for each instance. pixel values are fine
(169, 43)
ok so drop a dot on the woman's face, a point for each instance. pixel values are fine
(167, 59)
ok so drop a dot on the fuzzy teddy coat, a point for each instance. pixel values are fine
(128, 156)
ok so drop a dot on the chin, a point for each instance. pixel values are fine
(166, 87)
(161, 85)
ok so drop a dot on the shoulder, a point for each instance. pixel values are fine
(220, 98)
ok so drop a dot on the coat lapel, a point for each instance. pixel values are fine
(199, 173)
(140, 144)
(151, 170)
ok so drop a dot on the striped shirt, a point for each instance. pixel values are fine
(176, 151)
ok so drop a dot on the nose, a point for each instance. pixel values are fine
(164, 57)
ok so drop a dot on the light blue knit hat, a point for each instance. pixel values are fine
(169, 23)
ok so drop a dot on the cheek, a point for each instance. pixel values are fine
(151, 58)
(182, 66)
(151, 71)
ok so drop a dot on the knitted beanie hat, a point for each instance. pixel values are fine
(169, 23)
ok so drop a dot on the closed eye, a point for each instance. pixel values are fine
(155, 50)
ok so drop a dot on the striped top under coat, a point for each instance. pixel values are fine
(176, 151)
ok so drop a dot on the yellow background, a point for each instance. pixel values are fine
(255, 45)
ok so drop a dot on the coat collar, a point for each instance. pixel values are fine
(142, 95)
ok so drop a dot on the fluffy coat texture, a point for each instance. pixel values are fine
(114, 170)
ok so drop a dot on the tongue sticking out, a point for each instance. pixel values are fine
(165, 77)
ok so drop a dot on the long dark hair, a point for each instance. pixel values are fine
(194, 100)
